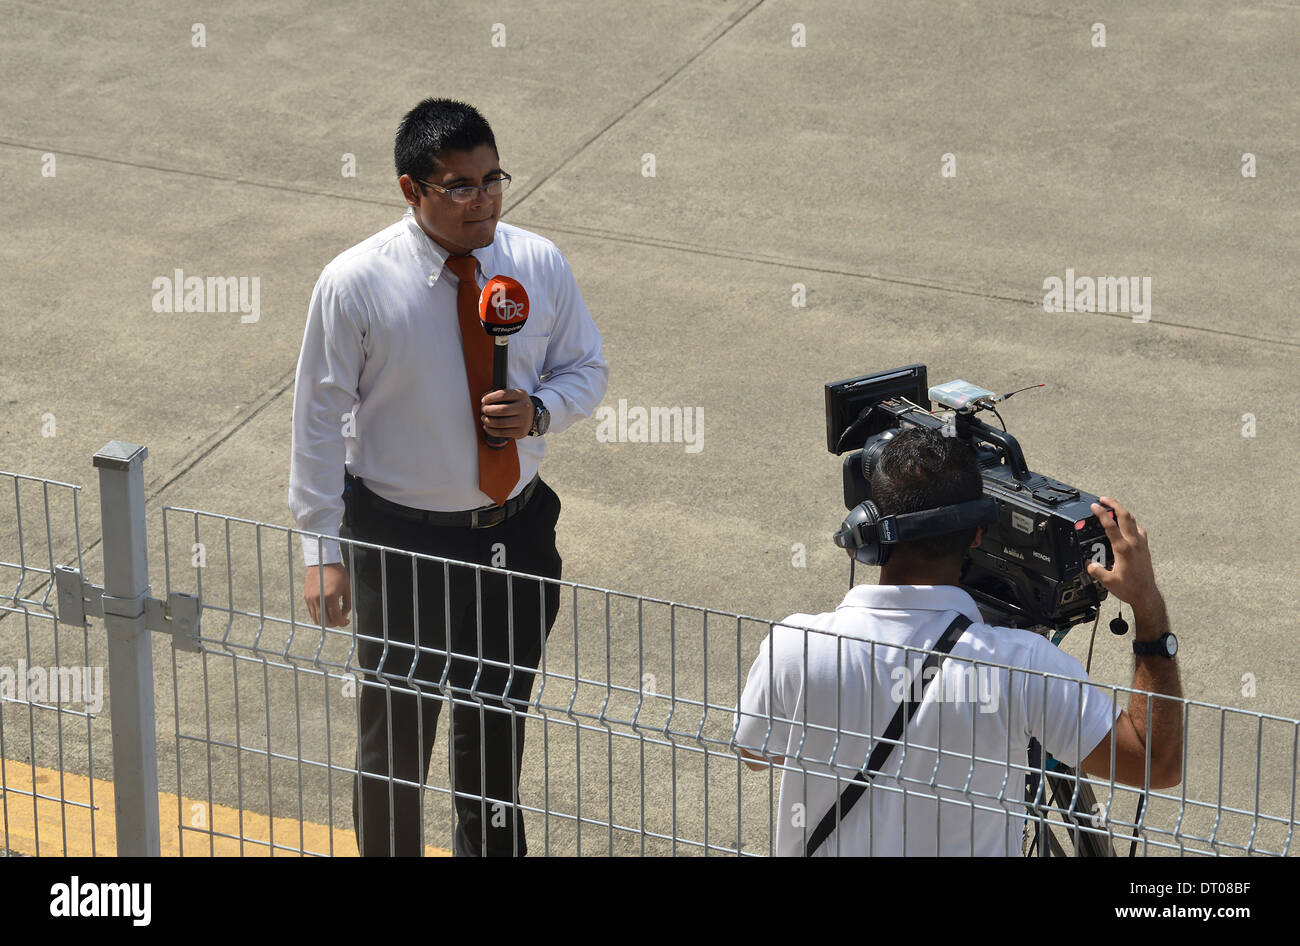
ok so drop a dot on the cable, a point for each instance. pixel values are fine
(854, 427)
(1119, 621)
(1118, 626)
(1041, 384)
(1132, 849)
(1088, 666)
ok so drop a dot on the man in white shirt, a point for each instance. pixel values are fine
(823, 684)
(394, 419)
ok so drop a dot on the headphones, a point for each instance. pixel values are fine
(868, 536)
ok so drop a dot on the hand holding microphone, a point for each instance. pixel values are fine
(503, 310)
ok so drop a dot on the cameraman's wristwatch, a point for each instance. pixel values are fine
(1166, 645)
(541, 418)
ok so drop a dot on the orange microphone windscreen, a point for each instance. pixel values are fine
(503, 306)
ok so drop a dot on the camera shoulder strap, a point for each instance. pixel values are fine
(883, 749)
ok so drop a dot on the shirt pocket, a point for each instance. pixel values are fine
(527, 359)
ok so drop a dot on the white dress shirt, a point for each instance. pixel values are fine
(381, 384)
(975, 705)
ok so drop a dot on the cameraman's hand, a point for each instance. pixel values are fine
(1132, 579)
(338, 593)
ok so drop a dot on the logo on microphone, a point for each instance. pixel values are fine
(507, 309)
(503, 306)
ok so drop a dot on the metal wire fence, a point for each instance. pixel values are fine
(51, 676)
(243, 739)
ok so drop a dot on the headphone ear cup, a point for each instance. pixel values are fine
(859, 537)
(873, 552)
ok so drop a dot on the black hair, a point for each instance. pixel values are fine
(922, 469)
(435, 126)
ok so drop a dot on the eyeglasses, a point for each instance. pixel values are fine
(463, 195)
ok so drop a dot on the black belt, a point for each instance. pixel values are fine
(481, 518)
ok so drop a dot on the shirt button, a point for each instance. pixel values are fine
(433, 278)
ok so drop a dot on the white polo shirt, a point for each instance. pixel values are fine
(870, 650)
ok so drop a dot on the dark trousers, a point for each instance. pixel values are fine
(476, 618)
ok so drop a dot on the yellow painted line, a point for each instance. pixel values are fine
(52, 817)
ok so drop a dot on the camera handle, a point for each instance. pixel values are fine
(968, 426)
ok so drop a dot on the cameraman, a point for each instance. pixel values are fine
(789, 710)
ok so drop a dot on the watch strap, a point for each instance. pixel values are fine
(539, 410)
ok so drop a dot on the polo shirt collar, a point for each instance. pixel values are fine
(912, 598)
(434, 257)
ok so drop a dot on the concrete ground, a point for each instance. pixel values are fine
(128, 151)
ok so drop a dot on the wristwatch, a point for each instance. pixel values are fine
(1166, 645)
(541, 418)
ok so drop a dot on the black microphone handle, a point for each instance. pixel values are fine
(499, 357)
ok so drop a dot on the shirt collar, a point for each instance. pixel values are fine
(433, 257)
(913, 598)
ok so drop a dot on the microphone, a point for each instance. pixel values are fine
(503, 310)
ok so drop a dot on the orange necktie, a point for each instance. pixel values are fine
(498, 470)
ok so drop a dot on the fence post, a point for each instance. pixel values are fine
(130, 647)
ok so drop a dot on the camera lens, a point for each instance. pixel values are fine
(871, 451)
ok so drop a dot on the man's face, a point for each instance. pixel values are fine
(456, 227)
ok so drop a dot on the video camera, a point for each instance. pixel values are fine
(1030, 567)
